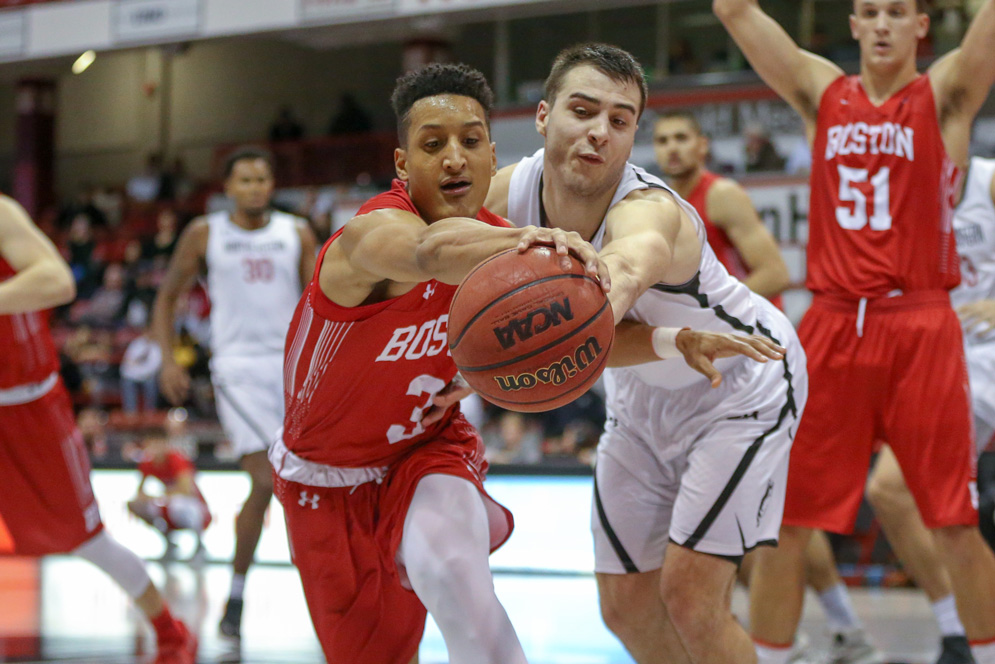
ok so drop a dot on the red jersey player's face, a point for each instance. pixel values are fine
(888, 31)
(448, 160)
(250, 186)
(680, 150)
(590, 129)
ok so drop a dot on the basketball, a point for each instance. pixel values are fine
(528, 335)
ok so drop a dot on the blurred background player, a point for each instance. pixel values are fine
(252, 254)
(750, 253)
(47, 503)
(736, 234)
(181, 506)
(881, 334)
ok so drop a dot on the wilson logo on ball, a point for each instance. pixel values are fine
(524, 328)
(556, 373)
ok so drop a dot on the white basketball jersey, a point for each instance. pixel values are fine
(253, 279)
(711, 301)
(974, 223)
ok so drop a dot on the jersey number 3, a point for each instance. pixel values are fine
(854, 221)
(423, 384)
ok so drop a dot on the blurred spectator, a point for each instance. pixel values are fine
(144, 187)
(110, 203)
(682, 58)
(514, 438)
(139, 374)
(760, 153)
(286, 127)
(104, 307)
(162, 244)
(92, 351)
(351, 118)
(800, 159)
(92, 425)
(174, 183)
(180, 506)
(136, 310)
(576, 445)
(83, 205)
(81, 247)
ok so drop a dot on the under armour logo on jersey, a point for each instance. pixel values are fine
(305, 500)
(429, 291)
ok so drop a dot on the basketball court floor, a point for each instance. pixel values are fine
(63, 610)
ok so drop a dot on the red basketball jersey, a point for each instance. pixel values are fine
(881, 210)
(28, 354)
(167, 469)
(720, 243)
(717, 238)
(357, 379)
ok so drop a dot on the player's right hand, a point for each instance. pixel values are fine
(174, 381)
(701, 349)
(565, 243)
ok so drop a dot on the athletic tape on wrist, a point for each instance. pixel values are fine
(665, 342)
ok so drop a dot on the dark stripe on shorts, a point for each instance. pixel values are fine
(623, 555)
(245, 416)
(692, 288)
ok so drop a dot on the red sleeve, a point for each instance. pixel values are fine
(397, 198)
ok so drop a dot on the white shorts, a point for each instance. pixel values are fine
(705, 468)
(981, 372)
(248, 392)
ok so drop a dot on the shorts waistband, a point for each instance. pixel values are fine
(889, 302)
(15, 396)
(293, 468)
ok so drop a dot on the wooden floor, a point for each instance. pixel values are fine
(63, 610)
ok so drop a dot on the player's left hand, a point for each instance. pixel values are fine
(701, 349)
(980, 315)
(446, 398)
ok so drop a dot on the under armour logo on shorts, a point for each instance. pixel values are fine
(763, 502)
(305, 500)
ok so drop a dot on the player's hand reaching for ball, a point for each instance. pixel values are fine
(446, 398)
(174, 381)
(978, 317)
(701, 349)
(565, 243)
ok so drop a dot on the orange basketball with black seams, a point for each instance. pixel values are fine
(528, 335)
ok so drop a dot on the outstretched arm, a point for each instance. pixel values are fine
(391, 245)
(43, 279)
(798, 76)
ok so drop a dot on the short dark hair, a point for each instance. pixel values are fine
(248, 153)
(613, 62)
(438, 79)
(681, 114)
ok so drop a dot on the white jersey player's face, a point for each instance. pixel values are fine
(888, 32)
(589, 130)
(449, 159)
(250, 186)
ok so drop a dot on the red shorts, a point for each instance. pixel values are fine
(46, 501)
(904, 382)
(344, 542)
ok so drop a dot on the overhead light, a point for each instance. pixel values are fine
(84, 61)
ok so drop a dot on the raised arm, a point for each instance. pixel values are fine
(730, 208)
(391, 245)
(184, 266)
(43, 279)
(798, 76)
(962, 79)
